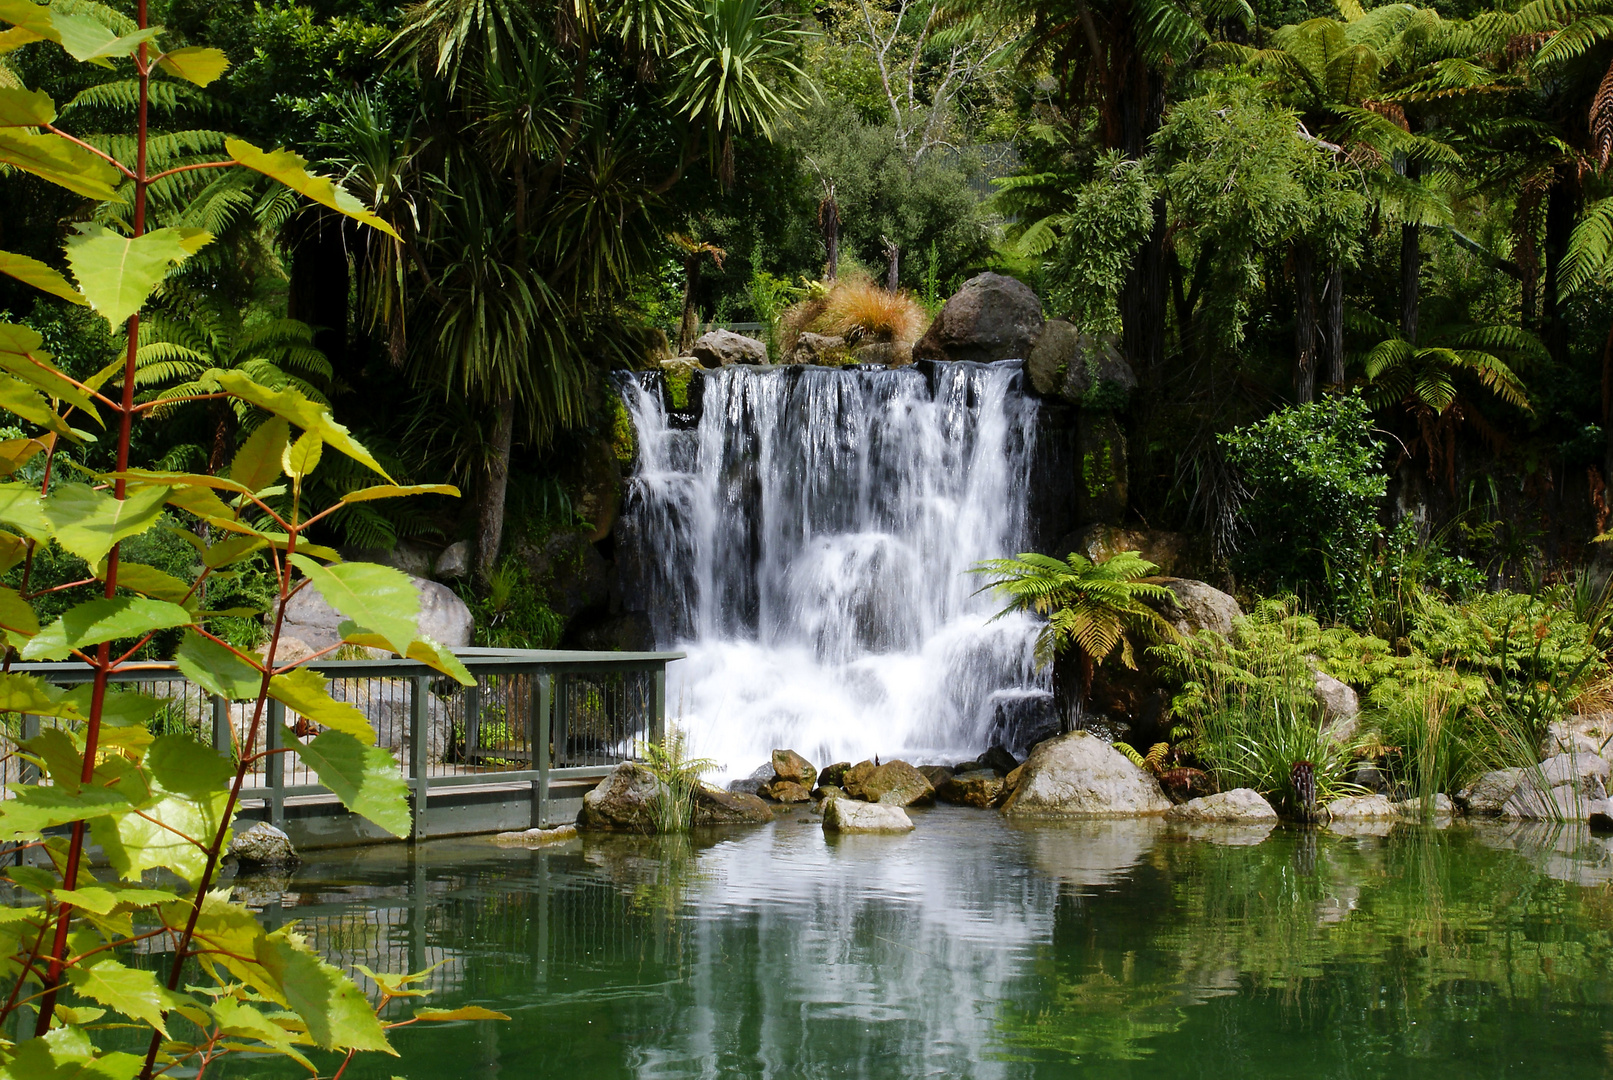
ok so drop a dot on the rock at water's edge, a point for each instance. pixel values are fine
(833, 775)
(788, 765)
(991, 318)
(718, 347)
(713, 807)
(1362, 808)
(982, 788)
(894, 782)
(263, 845)
(786, 791)
(624, 801)
(1237, 805)
(1080, 775)
(853, 816)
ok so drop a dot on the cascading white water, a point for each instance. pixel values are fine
(807, 544)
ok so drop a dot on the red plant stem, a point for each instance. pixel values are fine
(103, 653)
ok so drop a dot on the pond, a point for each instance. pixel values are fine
(976, 948)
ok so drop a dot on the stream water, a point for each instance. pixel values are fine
(974, 948)
(807, 542)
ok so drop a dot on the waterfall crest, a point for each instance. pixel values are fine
(807, 542)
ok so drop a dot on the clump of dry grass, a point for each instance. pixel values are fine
(858, 310)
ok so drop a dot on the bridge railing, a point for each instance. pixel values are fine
(533, 717)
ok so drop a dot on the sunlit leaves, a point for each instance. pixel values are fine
(379, 599)
(302, 457)
(464, 1012)
(421, 650)
(394, 491)
(256, 464)
(195, 64)
(42, 277)
(36, 808)
(53, 158)
(163, 835)
(117, 273)
(306, 692)
(289, 404)
(66, 1054)
(184, 766)
(291, 170)
(134, 992)
(365, 778)
(336, 1011)
(216, 669)
(95, 621)
(88, 522)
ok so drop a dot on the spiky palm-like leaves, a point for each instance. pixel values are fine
(1428, 375)
(1093, 608)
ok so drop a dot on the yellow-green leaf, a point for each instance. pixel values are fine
(42, 277)
(195, 64)
(134, 992)
(395, 491)
(15, 453)
(16, 614)
(88, 522)
(21, 509)
(27, 15)
(306, 692)
(36, 808)
(176, 479)
(29, 694)
(336, 1011)
(422, 651)
(302, 456)
(186, 767)
(216, 669)
(365, 778)
(25, 108)
(292, 170)
(95, 621)
(51, 157)
(231, 550)
(379, 599)
(290, 404)
(140, 578)
(17, 37)
(256, 464)
(135, 844)
(464, 1012)
(117, 273)
(201, 502)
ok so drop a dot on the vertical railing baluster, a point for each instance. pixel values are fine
(419, 782)
(275, 765)
(472, 698)
(539, 733)
(223, 736)
(658, 704)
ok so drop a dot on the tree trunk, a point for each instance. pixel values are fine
(1411, 273)
(893, 256)
(1562, 209)
(1304, 325)
(1142, 303)
(1332, 343)
(829, 222)
(686, 325)
(490, 515)
(223, 436)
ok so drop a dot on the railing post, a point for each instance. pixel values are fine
(223, 736)
(542, 727)
(560, 694)
(658, 705)
(419, 701)
(275, 765)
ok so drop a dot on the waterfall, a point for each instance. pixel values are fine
(806, 541)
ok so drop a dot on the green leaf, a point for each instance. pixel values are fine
(59, 755)
(120, 708)
(15, 453)
(88, 522)
(25, 108)
(134, 992)
(238, 1019)
(195, 64)
(21, 509)
(306, 692)
(148, 580)
(231, 550)
(98, 46)
(134, 844)
(256, 464)
(379, 599)
(292, 170)
(117, 273)
(27, 403)
(365, 778)
(42, 277)
(147, 477)
(51, 157)
(216, 669)
(35, 809)
(95, 621)
(30, 694)
(336, 1011)
(394, 491)
(66, 1054)
(21, 355)
(35, 18)
(421, 650)
(464, 1012)
(201, 502)
(184, 766)
(15, 613)
(302, 456)
(291, 405)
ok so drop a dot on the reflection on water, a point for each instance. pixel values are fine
(974, 948)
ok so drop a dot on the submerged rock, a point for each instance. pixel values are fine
(1080, 775)
(263, 845)
(982, 788)
(538, 837)
(1238, 805)
(624, 801)
(788, 765)
(992, 317)
(1361, 808)
(894, 782)
(713, 807)
(852, 816)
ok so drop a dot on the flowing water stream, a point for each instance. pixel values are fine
(807, 540)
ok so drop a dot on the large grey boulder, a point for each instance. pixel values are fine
(262, 844)
(1562, 787)
(454, 562)
(1080, 775)
(1199, 606)
(1341, 706)
(444, 617)
(854, 816)
(626, 800)
(1083, 369)
(1240, 805)
(991, 318)
(717, 348)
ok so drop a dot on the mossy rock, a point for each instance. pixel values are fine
(623, 439)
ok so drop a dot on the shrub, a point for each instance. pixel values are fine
(512, 613)
(855, 308)
(1314, 479)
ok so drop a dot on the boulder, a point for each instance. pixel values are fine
(828, 791)
(982, 788)
(786, 791)
(991, 318)
(1166, 550)
(998, 760)
(1591, 731)
(884, 353)
(624, 801)
(718, 348)
(1562, 787)
(1086, 370)
(833, 775)
(261, 844)
(454, 562)
(894, 782)
(818, 349)
(682, 385)
(444, 617)
(1361, 808)
(936, 774)
(852, 816)
(1440, 807)
(1080, 775)
(405, 555)
(754, 783)
(1238, 805)
(713, 807)
(1490, 792)
(1599, 816)
(1587, 774)
(1341, 706)
(1199, 607)
(788, 765)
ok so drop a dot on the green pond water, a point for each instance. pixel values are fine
(975, 948)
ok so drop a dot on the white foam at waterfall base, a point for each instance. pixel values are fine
(808, 547)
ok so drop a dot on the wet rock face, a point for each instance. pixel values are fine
(713, 807)
(833, 775)
(786, 791)
(991, 318)
(624, 801)
(1080, 775)
(853, 816)
(895, 782)
(1239, 805)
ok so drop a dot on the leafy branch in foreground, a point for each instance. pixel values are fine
(166, 803)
